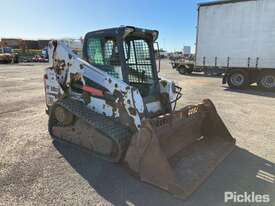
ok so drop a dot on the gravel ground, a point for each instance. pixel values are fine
(34, 171)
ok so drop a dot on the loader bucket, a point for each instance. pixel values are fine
(178, 151)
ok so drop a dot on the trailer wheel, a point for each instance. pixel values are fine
(182, 70)
(266, 81)
(237, 79)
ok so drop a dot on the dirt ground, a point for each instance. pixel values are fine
(34, 171)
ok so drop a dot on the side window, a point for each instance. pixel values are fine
(103, 53)
(111, 54)
(95, 53)
(108, 48)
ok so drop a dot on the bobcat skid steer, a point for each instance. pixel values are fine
(113, 103)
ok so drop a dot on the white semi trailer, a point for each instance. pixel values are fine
(238, 36)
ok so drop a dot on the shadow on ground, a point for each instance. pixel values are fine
(200, 74)
(253, 90)
(240, 172)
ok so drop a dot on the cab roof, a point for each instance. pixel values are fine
(211, 3)
(124, 31)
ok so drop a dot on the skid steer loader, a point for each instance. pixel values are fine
(113, 103)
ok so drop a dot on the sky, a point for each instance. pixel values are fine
(31, 19)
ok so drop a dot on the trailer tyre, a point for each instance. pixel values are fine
(182, 70)
(237, 79)
(266, 81)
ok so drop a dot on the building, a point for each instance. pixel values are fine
(187, 50)
(31, 44)
(43, 43)
(75, 44)
(9, 42)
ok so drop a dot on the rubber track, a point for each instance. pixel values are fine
(110, 128)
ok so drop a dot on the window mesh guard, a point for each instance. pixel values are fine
(104, 55)
(139, 62)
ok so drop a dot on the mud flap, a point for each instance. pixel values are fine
(178, 151)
